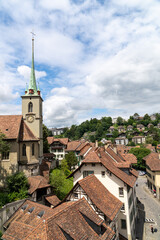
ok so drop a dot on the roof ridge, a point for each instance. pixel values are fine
(67, 207)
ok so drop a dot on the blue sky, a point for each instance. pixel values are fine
(93, 58)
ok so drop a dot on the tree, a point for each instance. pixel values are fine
(61, 184)
(71, 160)
(119, 121)
(17, 186)
(140, 153)
(45, 142)
(4, 146)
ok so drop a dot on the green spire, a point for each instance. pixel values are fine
(32, 83)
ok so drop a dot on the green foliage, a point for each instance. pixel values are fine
(4, 146)
(59, 181)
(16, 182)
(1, 235)
(120, 121)
(45, 142)
(3, 198)
(16, 188)
(140, 153)
(71, 160)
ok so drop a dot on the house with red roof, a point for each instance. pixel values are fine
(115, 172)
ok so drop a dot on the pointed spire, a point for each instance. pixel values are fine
(32, 83)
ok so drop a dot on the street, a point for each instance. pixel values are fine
(151, 208)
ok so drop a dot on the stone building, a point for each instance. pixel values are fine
(24, 133)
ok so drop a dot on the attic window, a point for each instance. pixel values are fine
(6, 129)
(40, 214)
(30, 210)
(24, 207)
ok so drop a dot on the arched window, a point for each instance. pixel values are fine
(30, 107)
(24, 150)
(32, 149)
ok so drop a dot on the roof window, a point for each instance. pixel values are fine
(24, 207)
(30, 210)
(6, 129)
(40, 214)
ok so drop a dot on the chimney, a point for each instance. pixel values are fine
(96, 143)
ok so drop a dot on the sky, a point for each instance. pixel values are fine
(93, 58)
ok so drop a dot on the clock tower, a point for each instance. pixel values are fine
(32, 107)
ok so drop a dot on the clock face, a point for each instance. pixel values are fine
(30, 119)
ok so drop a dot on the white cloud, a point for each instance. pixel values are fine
(25, 71)
(94, 56)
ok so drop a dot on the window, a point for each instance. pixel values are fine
(75, 195)
(103, 173)
(32, 149)
(30, 107)
(123, 223)
(87, 173)
(5, 155)
(93, 164)
(121, 193)
(24, 150)
(123, 208)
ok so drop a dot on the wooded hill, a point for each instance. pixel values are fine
(95, 129)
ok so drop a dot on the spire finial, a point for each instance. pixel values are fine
(32, 83)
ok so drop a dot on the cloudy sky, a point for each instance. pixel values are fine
(93, 58)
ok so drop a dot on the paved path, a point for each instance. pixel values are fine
(151, 207)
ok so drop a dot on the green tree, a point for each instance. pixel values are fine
(45, 142)
(4, 146)
(140, 153)
(120, 121)
(17, 186)
(71, 160)
(61, 184)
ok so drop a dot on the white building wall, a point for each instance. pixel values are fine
(112, 183)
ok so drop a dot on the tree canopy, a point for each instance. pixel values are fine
(71, 160)
(45, 142)
(140, 153)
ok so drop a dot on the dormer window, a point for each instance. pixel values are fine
(30, 107)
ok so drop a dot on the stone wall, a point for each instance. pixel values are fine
(7, 210)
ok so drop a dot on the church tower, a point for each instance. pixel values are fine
(32, 107)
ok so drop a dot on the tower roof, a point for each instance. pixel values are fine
(32, 89)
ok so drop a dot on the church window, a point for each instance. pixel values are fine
(30, 107)
(5, 155)
(24, 150)
(32, 149)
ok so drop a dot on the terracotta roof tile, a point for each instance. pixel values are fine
(37, 182)
(100, 156)
(71, 146)
(100, 196)
(153, 161)
(10, 125)
(84, 150)
(50, 140)
(69, 220)
(26, 134)
(129, 157)
(53, 200)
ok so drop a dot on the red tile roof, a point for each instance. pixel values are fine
(61, 140)
(10, 125)
(53, 200)
(153, 161)
(71, 146)
(100, 196)
(37, 182)
(100, 156)
(26, 134)
(54, 224)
